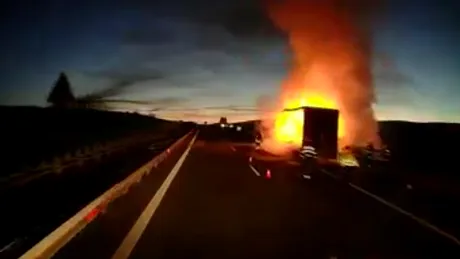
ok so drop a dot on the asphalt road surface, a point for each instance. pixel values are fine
(208, 202)
(31, 211)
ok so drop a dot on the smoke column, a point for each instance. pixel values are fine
(331, 57)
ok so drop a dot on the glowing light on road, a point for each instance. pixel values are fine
(348, 159)
(92, 214)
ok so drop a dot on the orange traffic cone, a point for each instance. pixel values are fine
(268, 174)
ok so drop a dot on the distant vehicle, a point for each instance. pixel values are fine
(370, 156)
(223, 120)
(380, 155)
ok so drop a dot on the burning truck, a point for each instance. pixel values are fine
(319, 142)
(320, 138)
(329, 86)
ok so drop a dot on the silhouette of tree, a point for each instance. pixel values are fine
(61, 94)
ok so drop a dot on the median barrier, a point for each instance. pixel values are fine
(78, 158)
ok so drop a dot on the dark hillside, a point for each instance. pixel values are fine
(30, 134)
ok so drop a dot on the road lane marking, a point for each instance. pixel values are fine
(264, 157)
(400, 210)
(305, 176)
(8, 246)
(410, 215)
(133, 236)
(233, 148)
(293, 163)
(254, 170)
(330, 174)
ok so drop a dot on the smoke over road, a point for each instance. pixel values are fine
(331, 66)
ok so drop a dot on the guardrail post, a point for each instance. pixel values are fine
(57, 165)
(67, 156)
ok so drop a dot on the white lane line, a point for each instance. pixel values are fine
(331, 175)
(136, 231)
(306, 176)
(233, 148)
(254, 170)
(8, 246)
(410, 215)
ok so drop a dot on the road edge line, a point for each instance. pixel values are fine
(129, 242)
(408, 214)
(254, 170)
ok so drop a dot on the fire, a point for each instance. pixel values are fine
(288, 126)
(331, 68)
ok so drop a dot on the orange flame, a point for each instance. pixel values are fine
(331, 69)
(288, 126)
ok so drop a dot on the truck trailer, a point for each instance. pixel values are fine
(320, 137)
(320, 128)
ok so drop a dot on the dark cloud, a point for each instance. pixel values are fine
(218, 109)
(146, 37)
(201, 44)
(212, 46)
(243, 19)
(121, 81)
(158, 101)
(169, 101)
(394, 78)
(211, 22)
(134, 76)
(213, 92)
(388, 72)
(233, 108)
(157, 104)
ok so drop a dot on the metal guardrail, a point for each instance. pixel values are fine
(79, 158)
(47, 247)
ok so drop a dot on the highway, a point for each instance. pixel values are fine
(31, 210)
(206, 201)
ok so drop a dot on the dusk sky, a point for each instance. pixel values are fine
(192, 57)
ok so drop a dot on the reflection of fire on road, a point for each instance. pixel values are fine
(330, 69)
